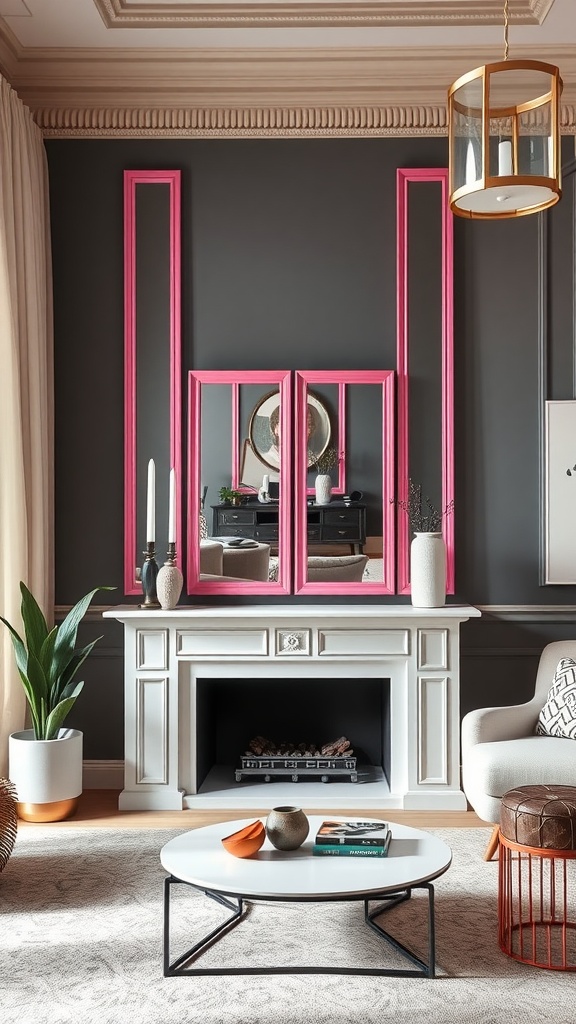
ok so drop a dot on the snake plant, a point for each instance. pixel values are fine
(48, 661)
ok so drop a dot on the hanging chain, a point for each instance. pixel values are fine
(505, 29)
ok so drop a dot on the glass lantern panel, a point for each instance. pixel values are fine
(535, 141)
(501, 146)
(519, 103)
(467, 134)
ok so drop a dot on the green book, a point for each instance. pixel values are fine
(351, 849)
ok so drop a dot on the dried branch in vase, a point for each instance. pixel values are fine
(326, 461)
(423, 516)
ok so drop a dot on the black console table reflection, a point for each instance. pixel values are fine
(336, 523)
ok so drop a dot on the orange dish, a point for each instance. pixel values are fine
(247, 841)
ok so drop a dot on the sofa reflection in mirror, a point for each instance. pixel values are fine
(337, 568)
(219, 560)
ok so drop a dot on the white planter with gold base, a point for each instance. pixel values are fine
(47, 774)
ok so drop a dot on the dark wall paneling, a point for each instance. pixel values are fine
(561, 290)
(557, 322)
(289, 250)
(99, 711)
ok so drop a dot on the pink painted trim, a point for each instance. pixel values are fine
(341, 487)
(303, 379)
(131, 179)
(193, 468)
(403, 177)
(448, 436)
(402, 369)
(281, 379)
(130, 554)
(235, 446)
(174, 179)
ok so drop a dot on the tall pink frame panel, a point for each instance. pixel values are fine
(404, 177)
(131, 180)
(366, 588)
(273, 378)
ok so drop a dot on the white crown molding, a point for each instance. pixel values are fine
(254, 122)
(130, 14)
(255, 92)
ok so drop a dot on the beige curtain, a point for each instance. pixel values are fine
(26, 390)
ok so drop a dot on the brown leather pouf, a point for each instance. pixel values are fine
(537, 876)
(540, 816)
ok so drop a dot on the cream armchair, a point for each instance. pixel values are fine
(500, 748)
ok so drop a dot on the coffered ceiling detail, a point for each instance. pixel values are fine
(171, 14)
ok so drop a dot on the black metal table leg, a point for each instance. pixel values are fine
(386, 901)
(427, 969)
(175, 968)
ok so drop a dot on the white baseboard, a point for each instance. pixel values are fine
(103, 774)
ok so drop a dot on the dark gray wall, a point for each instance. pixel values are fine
(289, 261)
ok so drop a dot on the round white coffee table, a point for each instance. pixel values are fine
(198, 859)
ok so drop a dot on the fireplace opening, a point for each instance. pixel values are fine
(231, 712)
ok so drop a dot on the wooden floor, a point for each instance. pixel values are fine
(99, 809)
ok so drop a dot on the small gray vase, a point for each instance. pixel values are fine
(287, 827)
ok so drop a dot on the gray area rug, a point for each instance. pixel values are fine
(81, 941)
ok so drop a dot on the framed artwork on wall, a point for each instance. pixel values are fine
(560, 492)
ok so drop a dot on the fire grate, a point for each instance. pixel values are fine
(296, 767)
(269, 759)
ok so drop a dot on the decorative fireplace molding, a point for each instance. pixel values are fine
(167, 653)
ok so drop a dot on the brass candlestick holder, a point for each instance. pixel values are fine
(170, 580)
(149, 578)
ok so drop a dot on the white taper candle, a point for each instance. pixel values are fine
(505, 159)
(172, 509)
(151, 504)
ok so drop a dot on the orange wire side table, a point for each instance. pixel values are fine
(537, 876)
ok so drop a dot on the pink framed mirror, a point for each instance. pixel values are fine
(152, 359)
(344, 543)
(239, 482)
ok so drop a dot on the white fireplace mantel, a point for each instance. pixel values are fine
(167, 652)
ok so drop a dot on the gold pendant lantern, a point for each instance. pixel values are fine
(504, 138)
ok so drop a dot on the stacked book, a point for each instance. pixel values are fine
(352, 839)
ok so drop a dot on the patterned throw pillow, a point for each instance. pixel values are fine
(558, 716)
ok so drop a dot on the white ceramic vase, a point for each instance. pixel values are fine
(169, 584)
(323, 488)
(428, 570)
(47, 774)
